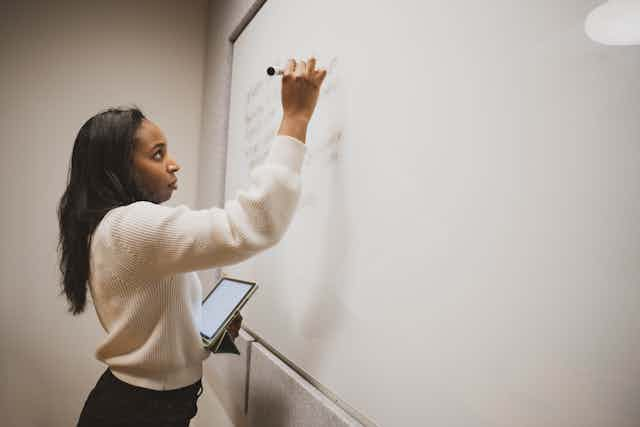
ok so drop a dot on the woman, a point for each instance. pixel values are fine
(138, 258)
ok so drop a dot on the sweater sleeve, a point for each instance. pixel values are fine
(156, 241)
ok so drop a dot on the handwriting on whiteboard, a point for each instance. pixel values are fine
(263, 113)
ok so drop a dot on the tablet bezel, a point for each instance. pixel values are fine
(254, 286)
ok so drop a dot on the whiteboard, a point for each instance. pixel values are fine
(466, 248)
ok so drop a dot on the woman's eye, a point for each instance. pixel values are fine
(157, 152)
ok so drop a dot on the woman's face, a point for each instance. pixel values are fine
(154, 169)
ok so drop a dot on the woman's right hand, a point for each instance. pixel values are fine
(300, 89)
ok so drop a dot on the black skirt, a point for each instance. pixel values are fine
(115, 403)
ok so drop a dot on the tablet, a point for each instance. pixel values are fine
(220, 306)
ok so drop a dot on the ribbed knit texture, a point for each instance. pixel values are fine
(143, 284)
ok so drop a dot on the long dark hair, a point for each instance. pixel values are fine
(100, 178)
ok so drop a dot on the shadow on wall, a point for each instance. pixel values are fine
(325, 315)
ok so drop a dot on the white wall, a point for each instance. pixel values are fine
(60, 63)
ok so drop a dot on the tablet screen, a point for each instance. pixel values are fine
(220, 303)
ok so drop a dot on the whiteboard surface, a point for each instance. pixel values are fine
(466, 248)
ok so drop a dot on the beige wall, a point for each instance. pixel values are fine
(60, 63)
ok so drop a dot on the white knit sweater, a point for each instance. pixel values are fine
(143, 284)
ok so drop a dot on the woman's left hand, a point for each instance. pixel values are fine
(234, 327)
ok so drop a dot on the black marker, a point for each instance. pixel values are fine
(275, 70)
